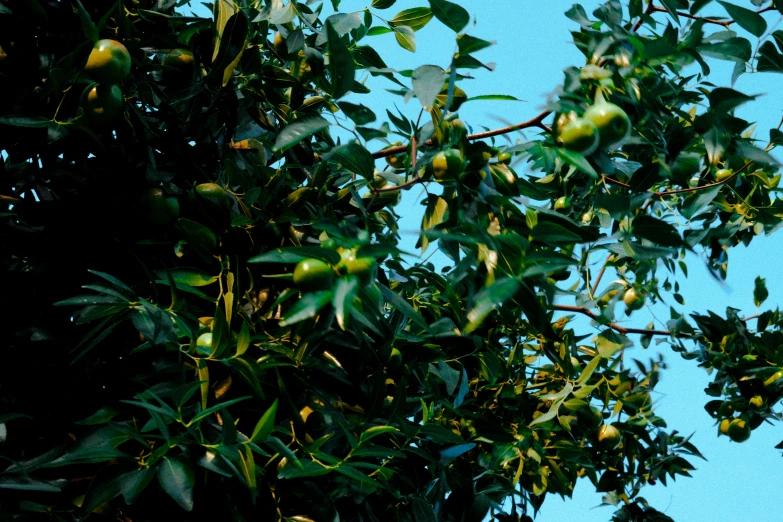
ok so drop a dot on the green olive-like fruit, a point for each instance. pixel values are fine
(504, 157)
(562, 203)
(579, 135)
(723, 174)
(447, 164)
(204, 342)
(159, 208)
(395, 358)
(181, 64)
(633, 300)
(109, 62)
(739, 431)
(102, 103)
(608, 436)
(612, 123)
(214, 195)
(313, 274)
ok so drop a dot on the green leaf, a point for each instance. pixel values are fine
(176, 477)
(133, 483)
(198, 236)
(265, 424)
(89, 28)
(453, 16)
(360, 114)
(403, 306)
(369, 433)
(749, 20)
(493, 97)
(25, 483)
(209, 411)
(488, 300)
(307, 307)
(233, 45)
(188, 276)
(699, 200)
(341, 66)
(609, 342)
(423, 511)
(414, 19)
(355, 158)
(467, 44)
(671, 7)
(296, 254)
(577, 160)
(379, 30)
(21, 121)
(405, 38)
(760, 292)
(449, 454)
(382, 4)
(297, 131)
(344, 293)
(427, 82)
(222, 11)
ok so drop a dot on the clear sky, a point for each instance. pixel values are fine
(739, 482)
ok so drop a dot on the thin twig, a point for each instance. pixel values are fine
(600, 275)
(621, 329)
(534, 122)
(724, 23)
(649, 10)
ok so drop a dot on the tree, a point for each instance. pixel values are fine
(249, 341)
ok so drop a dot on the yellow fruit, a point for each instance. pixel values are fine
(109, 62)
(757, 402)
(395, 358)
(723, 428)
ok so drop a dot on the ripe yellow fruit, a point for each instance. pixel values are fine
(395, 358)
(109, 62)
(447, 164)
(756, 402)
(723, 428)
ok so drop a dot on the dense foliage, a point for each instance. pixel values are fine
(206, 312)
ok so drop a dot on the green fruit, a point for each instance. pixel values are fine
(504, 157)
(362, 267)
(313, 274)
(723, 174)
(214, 195)
(183, 64)
(204, 342)
(330, 244)
(738, 430)
(608, 436)
(756, 402)
(109, 62)
(102, 103)
(458, 130)
(579, 135)
(159, 208)
(378, 182)
(723, 428)
(447, 164)
(395, 162)
(612, 123)
(633, 299)
(562, 203)
(395, 358)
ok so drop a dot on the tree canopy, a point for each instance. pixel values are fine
(209, 314)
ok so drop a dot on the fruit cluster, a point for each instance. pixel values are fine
(603, 125)
(108, 65)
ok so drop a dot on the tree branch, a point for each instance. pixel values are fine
(533, 122)
(724, 23)
(600, 275)
(620, 329)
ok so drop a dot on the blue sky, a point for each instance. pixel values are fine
(739, 481)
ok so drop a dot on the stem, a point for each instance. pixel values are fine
(621, 329)
(600, 275)
(724, 23)
(534, 122)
